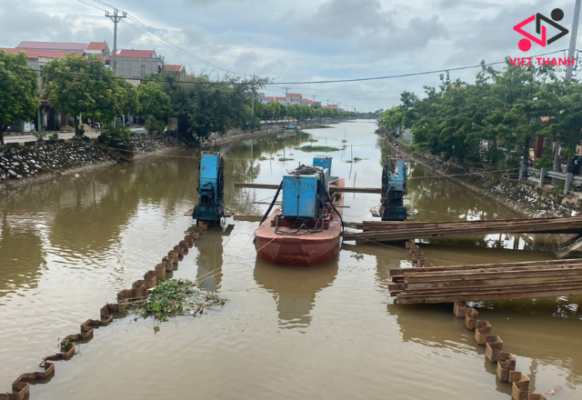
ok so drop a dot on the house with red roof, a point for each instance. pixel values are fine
(293, 98)
(179, 70)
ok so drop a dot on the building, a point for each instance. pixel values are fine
(179, 70)
(306, 102)
(137, 64)
(293, 98)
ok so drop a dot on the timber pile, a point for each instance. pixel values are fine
(507, 281)
(398, 231)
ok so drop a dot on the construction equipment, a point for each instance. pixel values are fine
(394, 181)
(302, 189)
(211, 189)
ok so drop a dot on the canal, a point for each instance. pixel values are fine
(69, 245)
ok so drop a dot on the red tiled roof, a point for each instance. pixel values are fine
(280, 98)
(52, 46)
(330, 107)
(293, 95)
(42, 53)
(173, 68)
(268, 98)
(137, 53)
(96, 46)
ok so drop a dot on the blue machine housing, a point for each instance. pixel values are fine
(210, 188)
(302, 189)
(394, 181)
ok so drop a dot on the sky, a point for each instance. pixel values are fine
(301, 40)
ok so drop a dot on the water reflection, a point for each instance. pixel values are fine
(209, 260)
(20, 252)
(294, 289)
(541, 333)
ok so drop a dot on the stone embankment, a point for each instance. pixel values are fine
(43, 160)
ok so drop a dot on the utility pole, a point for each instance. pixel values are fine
(115, 17)
(573, 37)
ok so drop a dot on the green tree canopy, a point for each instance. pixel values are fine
(155, 106)
(79, 85)
(18, 89)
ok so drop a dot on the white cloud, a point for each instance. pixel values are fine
(300, 40)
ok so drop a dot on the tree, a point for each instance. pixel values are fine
(79, 85)
(155, 106)
(18, 89)
(204, 106)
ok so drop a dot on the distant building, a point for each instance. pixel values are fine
(306, 102)
(330, 106)
(179, 70)
(137, 64)
(293, 98)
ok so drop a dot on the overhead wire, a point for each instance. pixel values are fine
(163, 40)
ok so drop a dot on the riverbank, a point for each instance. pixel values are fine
(265, 130)
(41, 161)
(522, 197)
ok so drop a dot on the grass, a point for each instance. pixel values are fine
(286, 159)
(175, 297)
(322, 149)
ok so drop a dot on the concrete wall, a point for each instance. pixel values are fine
(131, 68)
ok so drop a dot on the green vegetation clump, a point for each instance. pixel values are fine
(175, 297)
(286, 159)
(321, 149)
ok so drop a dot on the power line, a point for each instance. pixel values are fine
(171, 45)
(402, 75)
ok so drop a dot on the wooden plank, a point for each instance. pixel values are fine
(493, 275)
(502, 296)
(482, 283)
(400, 271)
(332, 189)
(401, 234)
(252, 185)
(517, 287)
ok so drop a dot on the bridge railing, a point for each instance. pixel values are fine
(542, 173)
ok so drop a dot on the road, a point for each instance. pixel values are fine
(29, 138)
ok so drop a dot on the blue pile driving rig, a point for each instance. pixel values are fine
(394, 180)
(306, 189)
(211, 188)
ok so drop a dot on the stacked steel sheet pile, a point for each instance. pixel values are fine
(398, 231)
(523, 280)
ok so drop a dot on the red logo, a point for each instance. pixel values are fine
(525, 44)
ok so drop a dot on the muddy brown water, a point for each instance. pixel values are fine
(69, 245)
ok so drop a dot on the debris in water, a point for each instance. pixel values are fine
(358, 256)
(175, 297)
(554, 390)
